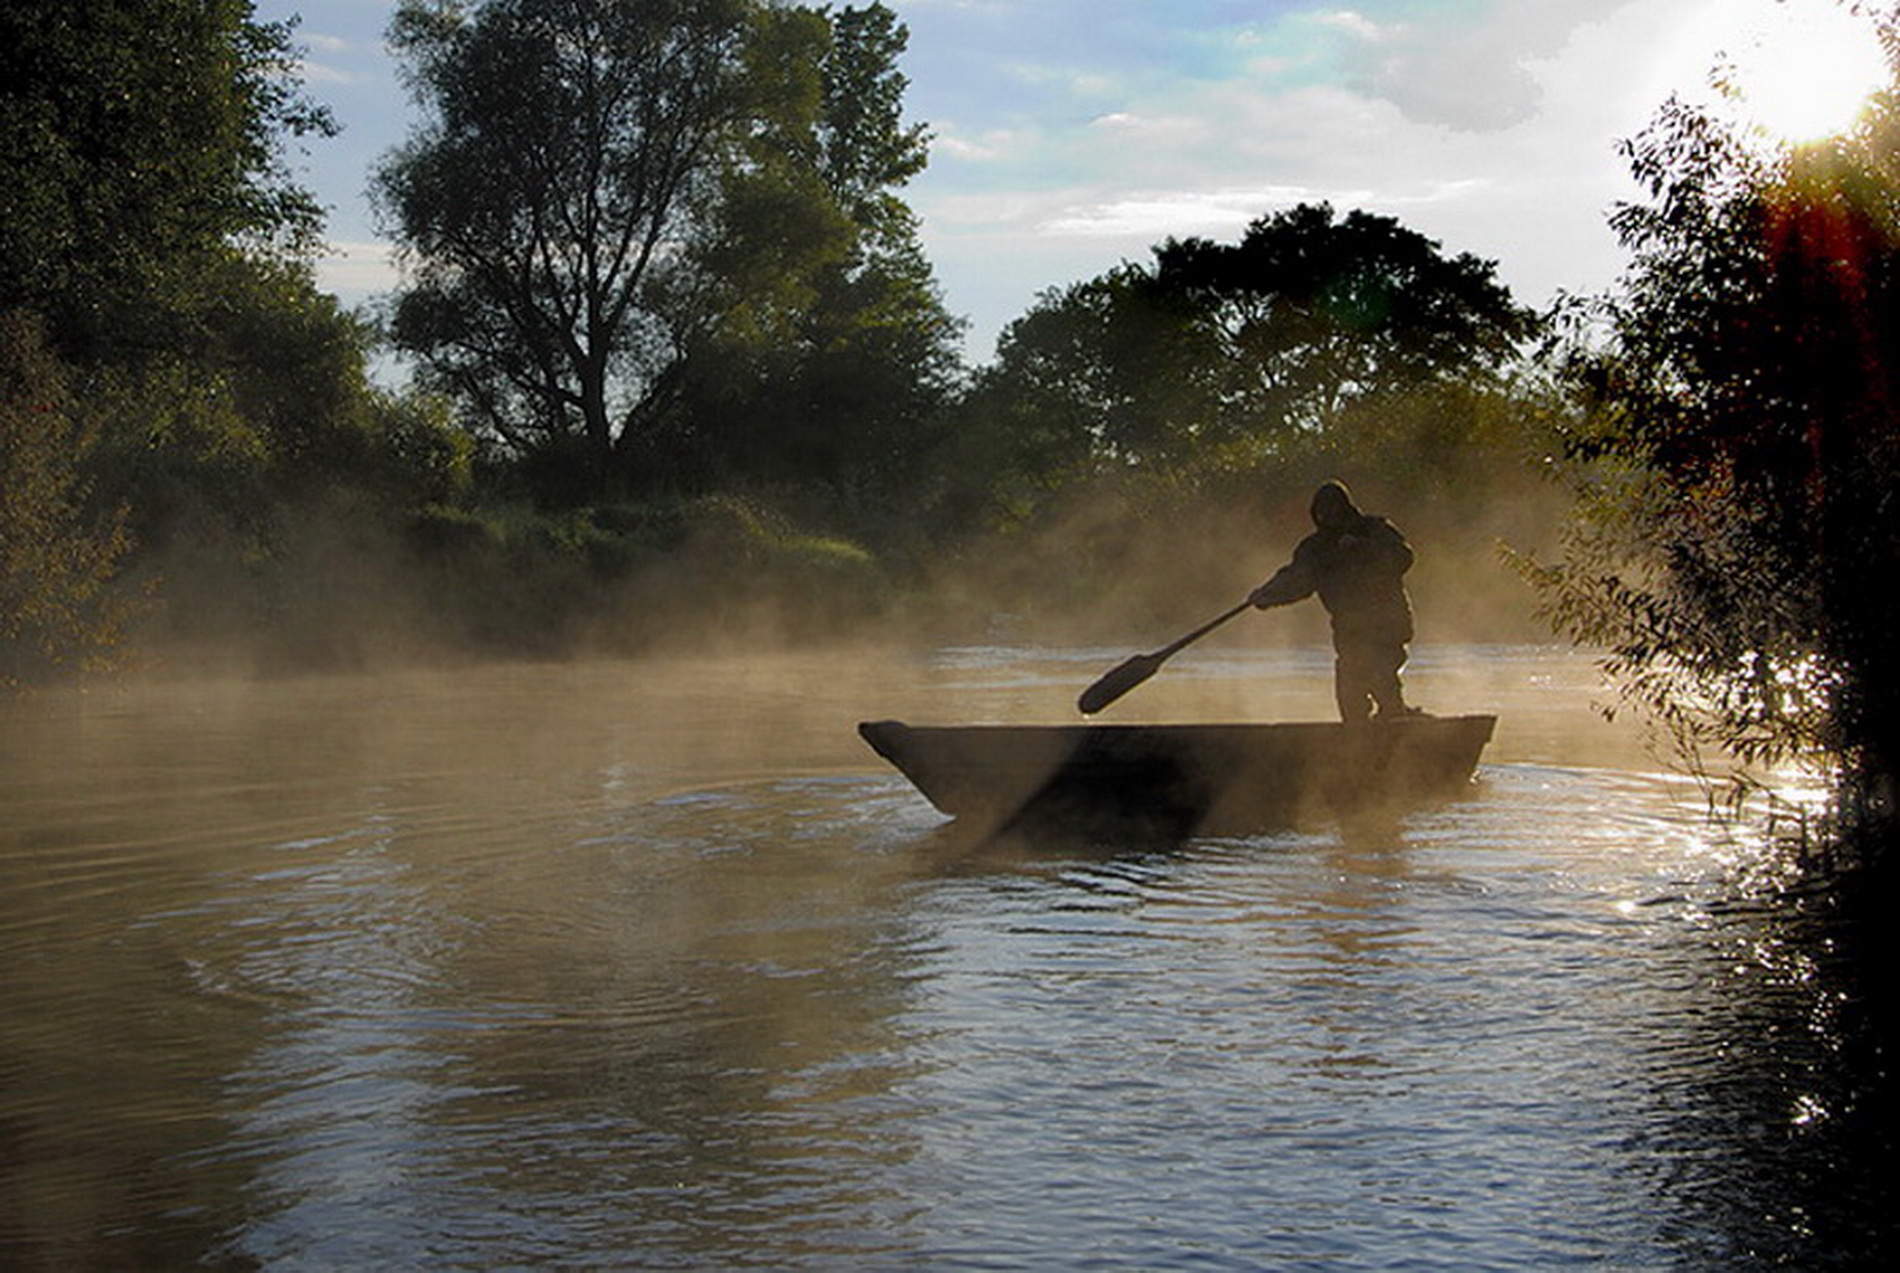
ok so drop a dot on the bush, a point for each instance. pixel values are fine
(59, 607)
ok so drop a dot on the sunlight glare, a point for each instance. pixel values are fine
(1805, 70)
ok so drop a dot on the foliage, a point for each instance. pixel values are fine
(1314, 341)
(1103, 372)
(568, 146)
(826, 370)
(260, 404)
(1740, 459)
(58, 609)
(217, 427)
(1313, 312)
(137, 139)
(513, 579)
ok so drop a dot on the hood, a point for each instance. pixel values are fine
(1333, 507)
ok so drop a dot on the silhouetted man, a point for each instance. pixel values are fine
(1356, 563)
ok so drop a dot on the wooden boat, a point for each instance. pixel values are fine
(1180, 779)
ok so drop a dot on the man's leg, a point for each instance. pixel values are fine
(1352, 684)
(1383, 664)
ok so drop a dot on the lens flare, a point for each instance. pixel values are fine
(1802, 72)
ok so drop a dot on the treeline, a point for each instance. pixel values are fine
(181, 405)
(680, 360)
(681, 366)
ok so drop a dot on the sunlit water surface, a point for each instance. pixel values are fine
(653, 965)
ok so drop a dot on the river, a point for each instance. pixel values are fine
(654, 965)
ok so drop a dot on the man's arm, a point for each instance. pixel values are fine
(1391, 545)
(1292, 582)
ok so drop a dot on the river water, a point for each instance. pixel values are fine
(654, 965)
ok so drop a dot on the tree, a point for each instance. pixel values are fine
(826, 376)
(194, 410)
(1741, 452)
(1111, 372)
(1312, 312)
(258, 406)
(633, 222)
(543, 204)
(154, 249)
(1218, 357)
(138, 138)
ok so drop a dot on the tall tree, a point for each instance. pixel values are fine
(1741, 461)
(611, 192)
(169, 362)
(826, 375)
(570, 144)
(1110, 371)
(1219, 356)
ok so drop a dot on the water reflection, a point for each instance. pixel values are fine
(1773, 1154)
(559, 970)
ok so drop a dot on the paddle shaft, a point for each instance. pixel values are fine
(1163, 655)
(1132, 672)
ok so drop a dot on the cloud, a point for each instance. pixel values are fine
(357, 271)
(1152, 216)
(1528, 184)
(324, 73)
(327, 58)
(992, 146)
(1354, 24)
(1473, 75)
(1068, 81)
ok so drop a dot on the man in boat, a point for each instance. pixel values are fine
(1356, 562)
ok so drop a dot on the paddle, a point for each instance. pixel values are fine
(1132, 672)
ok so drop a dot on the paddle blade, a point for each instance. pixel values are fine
(1117, 682)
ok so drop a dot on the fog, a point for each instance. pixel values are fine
(786, 631)
(707, 667)
(1109, 570)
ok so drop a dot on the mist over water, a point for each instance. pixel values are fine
(653, 964)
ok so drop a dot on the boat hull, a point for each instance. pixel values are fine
(1181, 779)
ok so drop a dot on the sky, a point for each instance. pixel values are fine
(1071, 135)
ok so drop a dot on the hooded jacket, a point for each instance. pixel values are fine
(1356, 562)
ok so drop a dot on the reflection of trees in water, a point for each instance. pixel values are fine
(118, 1026)
(106, 1159)
(1776, 1130)
(675, 1036)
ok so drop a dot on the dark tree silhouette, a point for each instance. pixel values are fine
(1314, 311)
(1225, 357)
(1741, 532)
(633, 223)
(570, 145)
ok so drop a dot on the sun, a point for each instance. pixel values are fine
(1800, 72)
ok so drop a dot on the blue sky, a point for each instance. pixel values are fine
(1070, 135)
